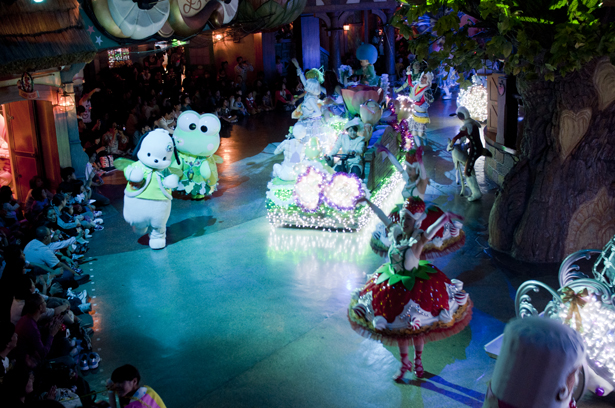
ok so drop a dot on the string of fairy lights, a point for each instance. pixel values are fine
(336, 244)
(331, 219)
(598, 323)
(475, 100)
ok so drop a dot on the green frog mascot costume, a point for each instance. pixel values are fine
(147, 198)
(198, 138)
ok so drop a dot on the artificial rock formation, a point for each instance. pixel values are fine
(560, 196)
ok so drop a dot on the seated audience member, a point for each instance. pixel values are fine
(125, 383)
(250, 104)
(267, 101)
(31, 342)
(166, 120)
(185, 103)
(225, 114)
(50, 219)
(34, 182)
(92, 182)
(38, 253)
(284, 99)
(38, 201)
(113, 139)
(9, 205)
(23, 287)
(238, 106)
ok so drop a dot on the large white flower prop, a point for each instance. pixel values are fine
(308, 189)
(343, 191)
(340, 191)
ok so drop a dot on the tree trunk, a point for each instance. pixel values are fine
(560, 196)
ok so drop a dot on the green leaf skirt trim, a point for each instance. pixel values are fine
(407, 278)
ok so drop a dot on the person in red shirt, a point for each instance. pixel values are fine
(284, 100)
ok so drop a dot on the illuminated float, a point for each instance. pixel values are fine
(305, 192)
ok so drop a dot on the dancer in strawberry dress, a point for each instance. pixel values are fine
(408, 301)
(448, 239)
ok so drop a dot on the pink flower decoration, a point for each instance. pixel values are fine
(356, 95)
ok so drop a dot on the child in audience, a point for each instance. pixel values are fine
(9, 205)
(250, 104)
(125, 382)
(267, 101)
(239, 107)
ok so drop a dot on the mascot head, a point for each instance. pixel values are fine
(155, 149)
(198, 135)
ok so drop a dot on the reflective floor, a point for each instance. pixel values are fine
(234, 313)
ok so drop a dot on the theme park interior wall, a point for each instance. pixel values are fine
(33, 143)
(50, 144)
(201, 52)
(228, 50)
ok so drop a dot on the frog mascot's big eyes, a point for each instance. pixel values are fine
(198, 138)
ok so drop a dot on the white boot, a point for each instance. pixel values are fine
(158, 238)
(473, 184)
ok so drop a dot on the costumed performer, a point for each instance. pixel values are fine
(352, 147)
(408, 301)
(470, 130)
(313, 157)
(198, 138)
(414, 174)
(311, 105)
(413, 73)
(537, 366)
(422, 98)
(367, 54)
(447, 239)
(147, 197)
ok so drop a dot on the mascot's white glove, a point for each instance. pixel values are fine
(136, 175)
(205, 170)
(171, 181)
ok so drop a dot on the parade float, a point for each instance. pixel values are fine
(306, 192)
(585, 301)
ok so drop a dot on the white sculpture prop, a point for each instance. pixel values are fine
(147, 198)
(584, 302)
(537, 366)
(293, 154)
(136, 20)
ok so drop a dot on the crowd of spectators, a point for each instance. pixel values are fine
(118, 106)
(44, 339)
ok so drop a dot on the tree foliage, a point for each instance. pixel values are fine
(534, 38)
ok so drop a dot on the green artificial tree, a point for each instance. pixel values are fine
(560, 196)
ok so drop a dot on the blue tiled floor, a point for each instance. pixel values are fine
(234, 313)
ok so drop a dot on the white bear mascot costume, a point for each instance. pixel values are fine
(147, 198)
